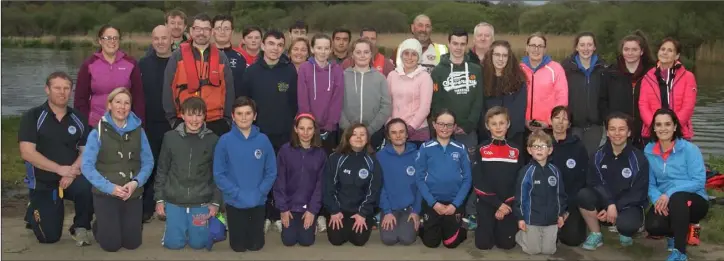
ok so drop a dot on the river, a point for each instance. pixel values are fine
(24, 72)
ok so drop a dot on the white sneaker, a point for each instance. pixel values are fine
(321, 224)
(81, 237)
(267, 223)
(278, 225)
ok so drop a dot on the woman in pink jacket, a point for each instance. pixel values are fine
(411, 91)
(106, 70)
(546, 83)
(669, 85)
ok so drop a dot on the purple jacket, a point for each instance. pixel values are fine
(298, 186)
(320, 92)
(97, 78)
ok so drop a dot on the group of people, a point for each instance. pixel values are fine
(331, 135)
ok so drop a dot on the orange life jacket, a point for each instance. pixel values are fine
(379, 62)
(200, 78)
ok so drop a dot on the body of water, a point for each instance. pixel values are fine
(24, 72)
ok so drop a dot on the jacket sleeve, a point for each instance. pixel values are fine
(217, 198)
(646, 101)
(147, 160)
(246, 84)
(520, 103)
(230, 92)
(654, 191)
(384, 200)
(560, 87)
(417, 204)
(603, 95)
(280, 186)
(315, 203)
(689, 99)
(238, 75)
(562, 196)
(420, 116)
(637, 195)
(221, 171)
(88, 165)
(420, 175)
(139, 101)
(696, 170)
(470, 124)
(294, 91)
(372, 198)
(330, 186)
(385, 108)
(482, 187)
(169, 74)
(81, 99)
(337, 98)
(467, 180)
(270, 170)
(594, 180)
(522, 192)
(581, 167)
(302, 92)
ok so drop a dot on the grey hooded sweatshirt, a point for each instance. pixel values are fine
(366, 100)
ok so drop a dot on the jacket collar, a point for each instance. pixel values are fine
(181, 129)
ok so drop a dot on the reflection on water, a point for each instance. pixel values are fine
(24, 72)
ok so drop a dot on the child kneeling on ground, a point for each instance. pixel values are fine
(244, 170)
(185, 190)
(540, 200)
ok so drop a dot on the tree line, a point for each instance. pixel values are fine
(693, 23)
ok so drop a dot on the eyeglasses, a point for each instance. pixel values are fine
(222, 29)
(110, 38)
(198, 29)
(533, 46)
(445, 125)
(539, 147)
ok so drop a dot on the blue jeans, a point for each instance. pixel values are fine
(186, 225)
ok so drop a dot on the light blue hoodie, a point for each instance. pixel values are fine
(682, 171)
(244, 168)
(93, 145)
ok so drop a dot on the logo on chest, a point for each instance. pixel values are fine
(72, 130)
(626, 172)
(410, 170)
(257, 153)
(571, 163)
(455, 156)
(282, 86)
(363, 173)
(552, 181)
(232, 62)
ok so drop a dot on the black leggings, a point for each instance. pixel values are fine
(438, 229)
(573, 232)
(492, 232)
(246, 228)
(629, 220)
(340, 236)
(684, 208)
(118, 223)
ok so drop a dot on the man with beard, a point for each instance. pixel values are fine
(340, 44)
(483, 37)
(378, 61)
(421, 28)
(198, 69)
(176, 24)
(223, 32)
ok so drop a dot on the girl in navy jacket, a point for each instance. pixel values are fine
(400, 200)
(352, 183)
(298, 188)
(244, 170)
(443, 176)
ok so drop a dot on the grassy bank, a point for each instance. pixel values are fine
(13, 167)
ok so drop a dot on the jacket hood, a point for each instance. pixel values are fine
(132, 122)
(181, 129)
(317, 67)
(653, 148)
(620, 66)
(237, 132)
(119, 54)
(570, 139)
(283, 60)
(409, 44)
(417, 71)
(351, 69)
(409, 148)
(526, 60)
(574, 62)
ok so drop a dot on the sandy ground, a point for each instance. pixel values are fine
(19, 243)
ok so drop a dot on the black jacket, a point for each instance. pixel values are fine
(623, 179)
(540, 197)
(571, 158)
(515, 103)
(152, 69)
(274, 89)
(352, 184)
(237, 62)
(495, 168)
(621, 91)
(583, 92)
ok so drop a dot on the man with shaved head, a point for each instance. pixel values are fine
(421, 28)
(152, 67)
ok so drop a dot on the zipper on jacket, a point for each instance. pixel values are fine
(532, 93)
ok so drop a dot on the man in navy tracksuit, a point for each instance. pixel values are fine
(223, 33)
(244, 170)
(443, 177)
(616, 185)
(400, 200)
(272, 83)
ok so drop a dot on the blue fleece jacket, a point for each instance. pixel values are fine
(682, 171)
(245, 168)
(546, 59)
(93, 146)
(443, 173)
(399, 188)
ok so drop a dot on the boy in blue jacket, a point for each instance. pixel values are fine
(540, 199)
(245, 170)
